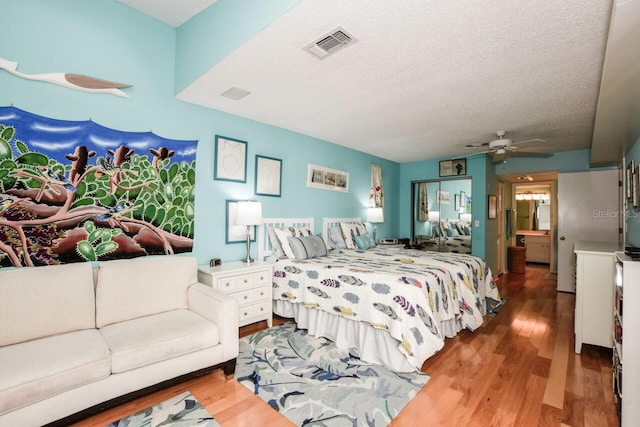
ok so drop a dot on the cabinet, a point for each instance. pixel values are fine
(626, 360)
(250, 284)
(595, 268)
(538, 249)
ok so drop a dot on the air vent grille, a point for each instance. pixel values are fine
(330, 43)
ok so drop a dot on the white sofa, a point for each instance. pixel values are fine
(73, 337)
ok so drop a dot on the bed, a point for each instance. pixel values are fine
(391, 305)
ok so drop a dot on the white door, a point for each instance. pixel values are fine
(588, 209)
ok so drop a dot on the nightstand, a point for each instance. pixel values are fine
(250, 284)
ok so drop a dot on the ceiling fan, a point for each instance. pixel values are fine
(502, 147)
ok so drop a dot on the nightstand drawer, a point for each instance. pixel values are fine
(245, 281)
(227, 284)
(250, 295)
(248, 313)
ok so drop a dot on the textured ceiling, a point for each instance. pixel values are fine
(425, 78)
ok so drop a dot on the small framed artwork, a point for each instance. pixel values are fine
(327, 179)
(455, 167)
(268, 176)
(236, 233)
(636, 188)
(629, 180)
(456, 202)
(463, 199)
(443, 197)
(492, 207)
(231, 160)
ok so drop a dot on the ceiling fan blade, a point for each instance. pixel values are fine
(530, 141)
(528, 154)
(479, 153)
(479, 144)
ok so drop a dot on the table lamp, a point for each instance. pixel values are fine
(249, 214)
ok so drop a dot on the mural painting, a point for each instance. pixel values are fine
(73, 191)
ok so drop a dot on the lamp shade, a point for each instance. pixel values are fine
(249, 213)
(434, 216)
(375, 215)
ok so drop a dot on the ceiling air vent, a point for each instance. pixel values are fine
(330, 43)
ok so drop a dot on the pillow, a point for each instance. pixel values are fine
(352, 229)
(454, 232)
(307, 246)
(283, 236)
(336, 241)
(365, 241)
(449, 232)
(435, 230)
(276, 248)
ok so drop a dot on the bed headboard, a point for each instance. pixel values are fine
(264, 245)
(332, 222)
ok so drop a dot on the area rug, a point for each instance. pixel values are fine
(179, 411)
(313, 383)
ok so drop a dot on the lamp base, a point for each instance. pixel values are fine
(248, 259)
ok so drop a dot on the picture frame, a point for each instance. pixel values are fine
(463, 199)
(456, 202)
(230, 159)
(444, 198)
(629, 180)
(236, 233)
(268, 180)
(492, 207)
(636, 188)
(454, 167)
(327, 179)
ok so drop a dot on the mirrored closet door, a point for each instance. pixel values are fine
(441, 215)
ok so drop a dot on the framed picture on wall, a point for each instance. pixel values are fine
(236, 233)
(635, 178)
(455, 167)
(629, 180)
(231, 160)
(268, 176)
(456, 202)
(327, 179)
(492, 207)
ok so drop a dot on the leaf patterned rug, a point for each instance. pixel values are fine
(313, 383)
(179, 411)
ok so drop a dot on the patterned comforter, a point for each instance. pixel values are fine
(409, 293)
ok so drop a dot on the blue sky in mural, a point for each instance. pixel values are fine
(57, 138)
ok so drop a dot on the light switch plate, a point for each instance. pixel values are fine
(477, 223)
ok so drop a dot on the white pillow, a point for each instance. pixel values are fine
(283, 237)
(352, 229)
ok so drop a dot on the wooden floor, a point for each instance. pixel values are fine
(518, 369)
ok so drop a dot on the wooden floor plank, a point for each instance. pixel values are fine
(518, 369)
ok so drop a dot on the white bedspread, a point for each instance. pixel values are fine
(416, 297)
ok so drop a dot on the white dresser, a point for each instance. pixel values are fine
(595, 268)
(250, 284)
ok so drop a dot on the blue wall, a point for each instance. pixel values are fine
(429, 170)
(103, 38)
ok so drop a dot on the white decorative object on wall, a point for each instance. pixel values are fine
(70, 80)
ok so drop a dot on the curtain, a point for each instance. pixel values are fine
(423, 203)
(376, 195)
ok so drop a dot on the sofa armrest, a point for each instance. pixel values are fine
(220, 309)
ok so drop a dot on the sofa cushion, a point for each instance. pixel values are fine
(41, 301)
(35, 370)
(132, 288)
(155, 338)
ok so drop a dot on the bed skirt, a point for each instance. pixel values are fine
(371, 344)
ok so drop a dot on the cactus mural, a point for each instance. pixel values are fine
(78, 191)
